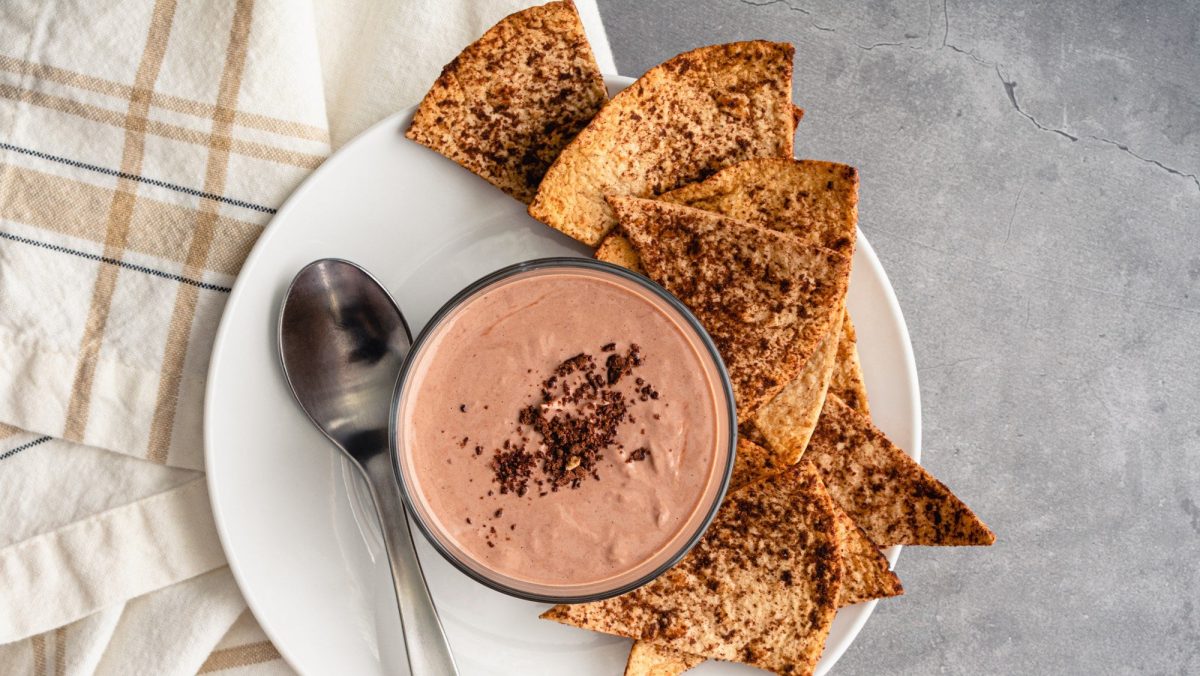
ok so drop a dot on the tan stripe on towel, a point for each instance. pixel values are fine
(241, 656)
(174, 132)
(39, 654)
(7, 431)
(69, 206)
(176, 104)
(60, 651)
(119, 215)
(184, 313)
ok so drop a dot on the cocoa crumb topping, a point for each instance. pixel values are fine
(512, 469)
(576, 420)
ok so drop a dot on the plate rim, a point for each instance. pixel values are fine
(273, 228)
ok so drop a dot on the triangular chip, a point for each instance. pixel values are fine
(680, 122)
(766, 298)
(886, 492)
(813, 200)
(512, 100)
(816, 201)
(760, 587)
(617, 250)
(751, 463)
(866, 574)
(789, 418)
(847, 382)
(651, 659)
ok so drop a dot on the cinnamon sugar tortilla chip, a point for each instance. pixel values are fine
(616, 249)
(788, 420)
(760, 587)
(847, 381)
(866, 574)
(889, 495)
(681, 121)
(751, 463)
(813, 200)
(651, 659)
(766, 298)
(816, 201)
(511, 101)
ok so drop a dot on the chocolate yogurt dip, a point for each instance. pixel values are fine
(564, 427)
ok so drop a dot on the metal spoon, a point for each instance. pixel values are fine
(342, 340)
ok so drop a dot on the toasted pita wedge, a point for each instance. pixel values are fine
(760, 587)
(765, 297)
(813, 200)
(680, 122)
(847, 382)
(866, 574)
(651, 659)
(892, 498)
(511, 101)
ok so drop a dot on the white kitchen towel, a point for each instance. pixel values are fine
(144, 146)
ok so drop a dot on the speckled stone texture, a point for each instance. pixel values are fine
(1029, 180)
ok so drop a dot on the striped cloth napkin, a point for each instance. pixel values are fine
(144, 145)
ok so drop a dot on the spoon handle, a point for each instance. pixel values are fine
(424, 640)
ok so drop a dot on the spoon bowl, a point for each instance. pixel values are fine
(342, 344)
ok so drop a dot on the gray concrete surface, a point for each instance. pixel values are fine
(1029, 180)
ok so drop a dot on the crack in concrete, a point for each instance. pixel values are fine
(1013, 216)
(827, 29)
(785, 3)
(1124, 148)
(1190, 509)
(971, 53)
(946, 20)
(1010, 86)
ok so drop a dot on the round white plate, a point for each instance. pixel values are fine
(299, 537)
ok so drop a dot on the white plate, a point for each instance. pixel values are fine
(298, 536)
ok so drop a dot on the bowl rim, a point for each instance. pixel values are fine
(499, 275)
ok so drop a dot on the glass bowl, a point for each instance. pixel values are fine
(677, 544)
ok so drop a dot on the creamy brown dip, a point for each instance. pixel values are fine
(504, 366)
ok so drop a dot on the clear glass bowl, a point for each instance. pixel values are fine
(725, 424)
